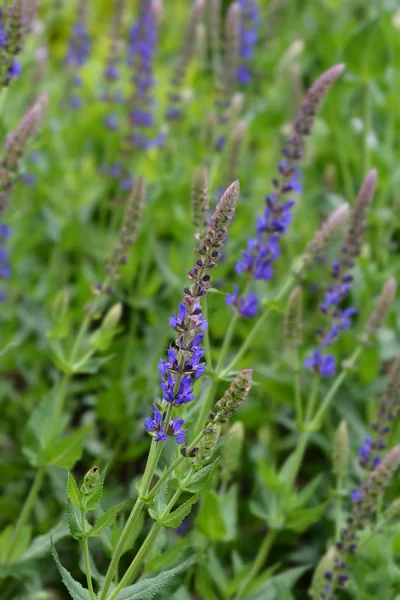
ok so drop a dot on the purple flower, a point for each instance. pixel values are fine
(365, 450)
(4, 263)
(111, 122)
(325, 365)
(157, 426)
(141, 50)
(78, 46)
(249, 23)
(356, 496)
(247, 306)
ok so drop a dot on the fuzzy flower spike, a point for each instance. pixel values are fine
(184, 363)
(14, 25)
(78, 52)
(141, 52)
(264, 249)
(331, 307)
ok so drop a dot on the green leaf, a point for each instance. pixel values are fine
(159, 503)
(367, 50)
(148, 588)
(66, 452)
(200, 478)
(36, 433)
(74, 518)
(91, 501)
(210, 520)
(73, 491)
(7, 541)
(175, 518)
(106, 520)
(76, 590)
(302, 518)
(41, 544)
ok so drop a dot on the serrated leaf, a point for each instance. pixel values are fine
(73, 491)
(76, 590)
(66, 452)
(91, 501)
(74, 518)
(148, 588)
(210, 520)
(105, 520)
(175, 518)
(200, 478)
(302, 518)
(36, 433)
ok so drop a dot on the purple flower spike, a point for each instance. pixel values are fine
(249, 22)
(156, 426)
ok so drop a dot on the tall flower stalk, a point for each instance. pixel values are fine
(250, 21)
(78, 50)
(264, 249)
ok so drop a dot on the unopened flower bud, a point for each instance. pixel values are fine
(324, 567)
(331, 228)
(341, 450)
(382, 307)
(200, 201)
(293, 320)
(232, 451)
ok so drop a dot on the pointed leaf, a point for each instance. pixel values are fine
(175, 518)
(200, 478)
(66, 452)
(149, 588)
(106, 520)
(76, 590)
(73, 491)
(159, 503)
(41, 544)
(74, 518)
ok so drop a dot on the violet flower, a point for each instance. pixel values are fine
(112, 71)
(141, 51)
(341, 318)
(161, 432)
(264, 249)
(77, 53)
(250, 20)
(12, 34)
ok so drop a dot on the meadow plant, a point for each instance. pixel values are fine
(126, 367)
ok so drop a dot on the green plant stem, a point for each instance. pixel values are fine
(257, 565)
(151, 465)
(87, 561)
(295, 459)
(59, 404)
(227, 342)
(338, 507)
(135, 564)
(27, 508)
(297, 393)
(367, 126)
(205, 405)
(316, 422)
(312, 399)
(207, 336)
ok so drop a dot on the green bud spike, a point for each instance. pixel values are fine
(319, 580)
(341, 450)
(232, 451)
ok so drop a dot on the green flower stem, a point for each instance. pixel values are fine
(151, 465)
(59, 401)
(207, 336)
(316, 422)
(257, 564)
(297, 392)
(227, 342)
(367, 126)
(87, 562)
(137, 561)
(313, 398)
(172, 467)
(27, 508)
(338, 507)
(205, 405)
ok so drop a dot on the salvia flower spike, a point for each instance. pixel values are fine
(341, 319)
(293, 320)
(250, 20)
(129, 230)
(263, 250)
(200, 200)
(382, 307)
(186, 53)
(141, 52)
(365, 501)
(184, 363)
(12, 33)
(78, 52)
(333, 226)
(112, 72)
(388, 410)
(228, 72)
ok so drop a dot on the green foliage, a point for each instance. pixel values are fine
(106, 520)
(175, 518)
(148, 588)
(76, 591)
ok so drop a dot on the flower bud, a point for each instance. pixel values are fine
(102, 338)
(341, 450)
(324, 567)
(232, 451)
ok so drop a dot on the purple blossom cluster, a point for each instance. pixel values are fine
(249, 22)
(161, 431)
(111, 94)
(140, 57)
(78, 50)
(4, 263)
(10, 44)
(263, 250)
(341, 318)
